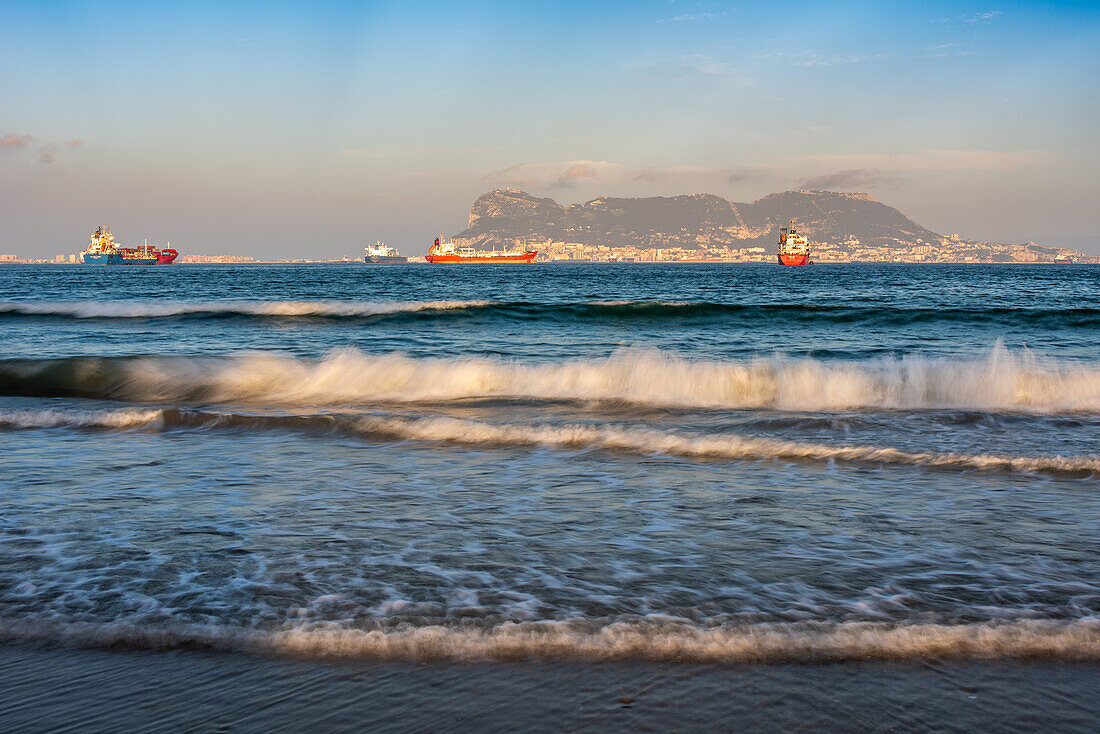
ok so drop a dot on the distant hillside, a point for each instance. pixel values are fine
(691, 220)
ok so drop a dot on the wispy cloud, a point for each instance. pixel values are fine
(986, 17)
(574, 173)
(934, 160)
(559, 175)
(810, 58)
(696, 176)
(13, 140)
(815, 60)
(694, 16)
(853, 178)
(743, 174)
(945, 50)
(698, 65)
(46, 151)
(838, 172)
(501, 176)
(610, 177)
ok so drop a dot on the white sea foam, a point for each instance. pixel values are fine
(657, 639)
(80, 418)
(584, 436)
(1001, 381)
(714, 446)
(162, 309)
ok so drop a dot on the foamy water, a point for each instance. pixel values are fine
(716, 465)
(1002, 380)
(568, 436)
(167, 309)
(662, 641)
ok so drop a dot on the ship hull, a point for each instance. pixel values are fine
(166, 257)
(524, 258)
(374, 259)
(111, 258)
(799, 259)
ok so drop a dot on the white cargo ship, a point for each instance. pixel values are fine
(381, 253)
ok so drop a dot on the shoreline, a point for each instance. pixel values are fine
(48, 687)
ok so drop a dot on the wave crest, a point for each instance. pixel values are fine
(587, 640)
(568, 312)
(610, 438)
(168, 309)
(1002, 381)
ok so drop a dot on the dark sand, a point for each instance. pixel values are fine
(63, 689)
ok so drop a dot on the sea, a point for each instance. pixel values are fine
(555, 472)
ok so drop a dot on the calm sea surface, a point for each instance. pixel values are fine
(712, 463)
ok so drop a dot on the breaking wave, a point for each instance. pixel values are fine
(275, 309)
(664, 640)
(569, 436)
(81, 418)
(644, 310)
(1001, 381)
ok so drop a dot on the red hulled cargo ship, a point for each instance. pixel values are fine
(446, 252)
(794, 248)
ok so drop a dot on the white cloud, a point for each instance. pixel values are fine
(695, 16)
(986, 17)
(816, 60)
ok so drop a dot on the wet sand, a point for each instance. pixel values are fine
(47, 688)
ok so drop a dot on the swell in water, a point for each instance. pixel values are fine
(208, 309)
(579, 311)
(569, 436)
(1001, 381)
(664, 640)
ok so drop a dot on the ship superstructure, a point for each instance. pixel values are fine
(103, 250)
(794, 248)
(447, 252)
(381, 253)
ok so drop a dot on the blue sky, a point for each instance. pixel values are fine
(287, 128)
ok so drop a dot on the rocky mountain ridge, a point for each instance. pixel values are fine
(692, 221)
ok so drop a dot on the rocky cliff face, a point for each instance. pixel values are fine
(512, 209)
(693, 220)
(828, 216)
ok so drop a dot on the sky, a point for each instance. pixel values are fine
(285, 129)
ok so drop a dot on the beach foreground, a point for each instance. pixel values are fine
(50, 688)
(569, 498)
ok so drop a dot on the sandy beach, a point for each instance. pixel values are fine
(48, 688)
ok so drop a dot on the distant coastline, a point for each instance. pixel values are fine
(841, 227)
(243, 260)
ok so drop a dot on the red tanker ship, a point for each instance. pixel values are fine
(794, 248)
(446, 252)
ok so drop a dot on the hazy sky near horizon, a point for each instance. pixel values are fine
(278, 129)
